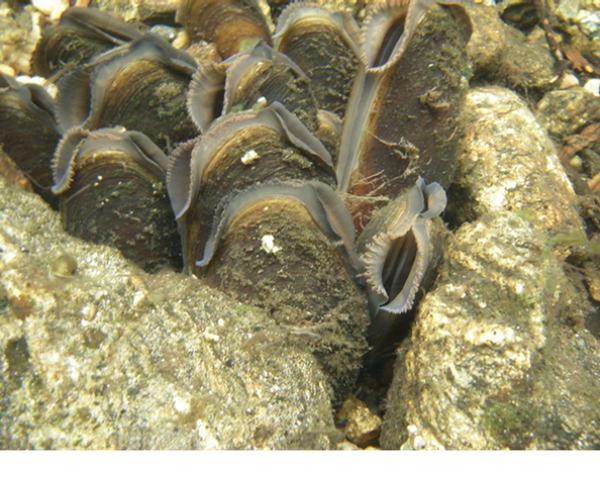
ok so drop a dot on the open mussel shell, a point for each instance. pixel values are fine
(229, 24)
(289, 249)
(28, 132)
(240, 150)
(404, 110)
(112, 191)
(254, 78)
(325, 44)
(80, 34)
(140, 86)
(400, 248)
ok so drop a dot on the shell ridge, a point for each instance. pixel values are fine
(297, 133)
(357, 112)
(341, 223)
(181, 183)
(435, 200)
(38, 97)
(104, 26)
(207, 82)
(415, 204)
(374, 260)
(149, 152)
(73, 101)
(64, 156)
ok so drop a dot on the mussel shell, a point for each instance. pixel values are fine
(227, 23)
(405, 109)
(277, 82)
(325, 45)
(238, 83)
(396, 247)
(401, 249)
(303, 247)
(80, 34)
(28, 132)
(113, 191)
(274, 255)
(240, 150)
(148, 97)
(141, 86)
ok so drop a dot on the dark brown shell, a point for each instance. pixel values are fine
(227, 23)
(274, 254)
(80, 34)
(325, 46)
(404, 109)
(28, 132)
(112, 191)
(141, 86)
(238, 83)
(240, 150)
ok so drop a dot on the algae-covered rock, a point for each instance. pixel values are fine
(501, 54)
(499, 356)
(567, 112)
(110, 357)
(508, 162)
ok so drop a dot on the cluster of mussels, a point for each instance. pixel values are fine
(298, 170)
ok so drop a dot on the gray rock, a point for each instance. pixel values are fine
(501, 54)
(507, 162)
(499, 354)
(567, 112)
(111, 357)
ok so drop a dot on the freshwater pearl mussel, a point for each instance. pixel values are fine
(305, 163)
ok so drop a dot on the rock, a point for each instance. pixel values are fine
(566, 112)
(500, 355)
(580, 19)
(526, 65)
(111, 357)
(361, 425)
(19, 32)
(502, 55)
(487, 40)
(500, 170)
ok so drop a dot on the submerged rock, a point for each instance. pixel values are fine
(501, 54)
(110, 357)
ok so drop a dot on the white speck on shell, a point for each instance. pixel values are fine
(268, 244)
(249, 157)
